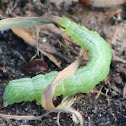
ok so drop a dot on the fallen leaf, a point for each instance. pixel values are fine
(30, 38)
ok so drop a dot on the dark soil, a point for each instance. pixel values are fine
(107, 109)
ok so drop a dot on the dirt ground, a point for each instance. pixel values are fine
(105, 109)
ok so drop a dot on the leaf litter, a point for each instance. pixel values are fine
(89, 16)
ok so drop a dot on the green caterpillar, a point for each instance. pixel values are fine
(85, 78)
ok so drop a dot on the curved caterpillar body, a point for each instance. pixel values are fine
(85, 78)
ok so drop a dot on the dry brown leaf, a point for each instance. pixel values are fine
(30, 38)
(51, 57)
(26, 36)
(47, 95)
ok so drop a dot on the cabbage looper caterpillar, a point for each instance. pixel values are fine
(85, 78)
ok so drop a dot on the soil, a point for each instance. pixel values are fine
(105, 109)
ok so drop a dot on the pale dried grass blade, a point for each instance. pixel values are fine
(25, 117)
(58, 119)
(20, 22)
(17, 117)
(47, 95)
(72, 111)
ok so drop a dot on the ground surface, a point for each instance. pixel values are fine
(107, 109)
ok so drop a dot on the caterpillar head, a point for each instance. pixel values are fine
(64, 22)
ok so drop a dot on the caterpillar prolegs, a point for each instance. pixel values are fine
(85, 78)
